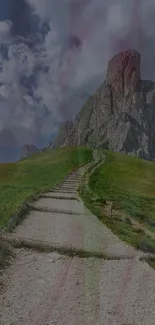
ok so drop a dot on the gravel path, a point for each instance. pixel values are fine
(53, 289)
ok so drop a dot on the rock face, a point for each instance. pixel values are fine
(50, 146)
(64, 134)
(28, 150)
(120, 116)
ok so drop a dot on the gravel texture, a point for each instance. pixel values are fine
(52, 289)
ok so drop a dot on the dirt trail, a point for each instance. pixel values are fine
(50, 288)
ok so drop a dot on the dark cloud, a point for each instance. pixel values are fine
(19, 13)
(54, 54)
(74, 42)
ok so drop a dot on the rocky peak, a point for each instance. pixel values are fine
(123, 74)
(28, 150)
(64, 133)
(120, 116)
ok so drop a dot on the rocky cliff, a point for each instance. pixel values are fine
(120, 116)
(28, 150)
(64, 134)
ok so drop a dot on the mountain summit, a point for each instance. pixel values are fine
(120, 116)
(28, 150)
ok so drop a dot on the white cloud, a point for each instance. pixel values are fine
(5, 30)
(5, 91)
(20, 110)
(101, 26)
(41, 8)
(118, 20)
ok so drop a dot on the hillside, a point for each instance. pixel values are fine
(28, 178)
(120, 116)
(122, 195)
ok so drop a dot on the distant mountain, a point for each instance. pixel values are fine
(120, 116)
(28, 150)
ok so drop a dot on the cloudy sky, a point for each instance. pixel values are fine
(54, 54)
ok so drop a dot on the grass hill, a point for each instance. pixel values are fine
(122, 195)
(22, 181)
(121, 191)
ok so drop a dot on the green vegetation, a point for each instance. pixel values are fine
(25, 180)
(128, 182)
(150, 261)
(5, 254)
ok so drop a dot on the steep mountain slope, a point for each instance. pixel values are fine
(28, 150)
(121, 114)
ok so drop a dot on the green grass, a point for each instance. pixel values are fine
(6, 253)
(130, 183)
(25, 180)
(150, 261)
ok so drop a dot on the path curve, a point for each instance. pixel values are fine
(50, 288)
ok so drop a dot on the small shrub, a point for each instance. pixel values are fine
(139, 231)
(5, 253)
(151, 223)
(128, 221)
(141, 217)
(151, 262)
(147, 245)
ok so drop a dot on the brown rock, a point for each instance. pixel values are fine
(64, 133)
(123, 73)
(120, 116)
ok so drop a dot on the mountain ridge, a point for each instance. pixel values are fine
(28, 150)
(120, 116)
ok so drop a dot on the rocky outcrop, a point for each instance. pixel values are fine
(120, 116)
(64, 134)
(50, 146)
(28, 150)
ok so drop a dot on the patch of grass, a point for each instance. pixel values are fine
(25, 180)
(5, 253)
(150, 261)
(147, 245)
(129, 183)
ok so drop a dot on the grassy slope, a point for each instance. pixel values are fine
(130, 183)
(21, 181)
